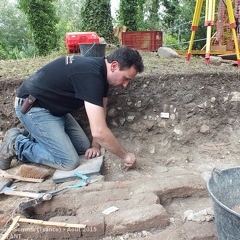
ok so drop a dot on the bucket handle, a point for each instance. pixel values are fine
(89, 49)
(216, 171)
(216, 174)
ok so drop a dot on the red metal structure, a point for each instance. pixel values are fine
(227, 19)
(223, 36)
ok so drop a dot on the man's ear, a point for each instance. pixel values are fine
(114, 65)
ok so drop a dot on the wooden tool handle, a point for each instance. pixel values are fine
(35, 201)
(24, 179)
(22, 194)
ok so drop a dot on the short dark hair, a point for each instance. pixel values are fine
(127, 57)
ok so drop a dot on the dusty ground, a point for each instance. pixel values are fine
(202, 130)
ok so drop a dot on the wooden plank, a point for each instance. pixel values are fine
(203, 52)
(5, 235)
(231, 62)
(229, 56)
(40, 222)
(47, 223)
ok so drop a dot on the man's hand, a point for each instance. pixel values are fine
(130, 160)
(92, 152)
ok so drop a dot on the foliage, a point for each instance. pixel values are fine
(173, 42)
(70, 19)
(139, 15)
(13, 29)
(128, 14)
(2, 53)
(170, 40)
(42, 19)
(69, 14)
(96, 17)
(154, 15)
(201, 33)
(49, 20)
(177, 19)
(171, 12)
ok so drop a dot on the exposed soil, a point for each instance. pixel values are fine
(198, 129)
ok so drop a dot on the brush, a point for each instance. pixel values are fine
(29, 173)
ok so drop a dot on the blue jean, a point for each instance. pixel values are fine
(55, 141)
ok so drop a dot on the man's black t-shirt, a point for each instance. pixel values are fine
(62, 85)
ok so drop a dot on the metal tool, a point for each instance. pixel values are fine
(7, 184)
(5, 189)
(49, 195)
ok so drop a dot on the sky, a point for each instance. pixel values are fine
(114, 6)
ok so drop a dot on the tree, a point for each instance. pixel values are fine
(13, 29)
(141, 14)
(42, 19)
(96, 17)
(69, 14)
(70, 18)
(153, 21)
(2, 52)
(128, 14)
(177, 19)
(154, 17)
(171, 12)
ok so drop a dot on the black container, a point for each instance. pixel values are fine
(92, 49)
(224, 188)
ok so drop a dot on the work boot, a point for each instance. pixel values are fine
(7, 150)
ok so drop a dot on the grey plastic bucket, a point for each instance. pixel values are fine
(92, 49)
(224, 188)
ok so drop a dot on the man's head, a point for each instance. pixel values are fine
(127, 57)
(123, 65)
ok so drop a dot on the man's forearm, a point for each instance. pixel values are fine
(95, 143)
(110, 143)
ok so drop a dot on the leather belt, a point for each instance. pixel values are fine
(19, 101)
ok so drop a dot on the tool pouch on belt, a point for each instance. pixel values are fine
(27, 104)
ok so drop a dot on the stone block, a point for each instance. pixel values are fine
(89, 167)
(166, 234)
(166, 52)
(200, 231)
(136, 219)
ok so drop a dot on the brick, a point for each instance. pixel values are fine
(95, 225)
(60, 233)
